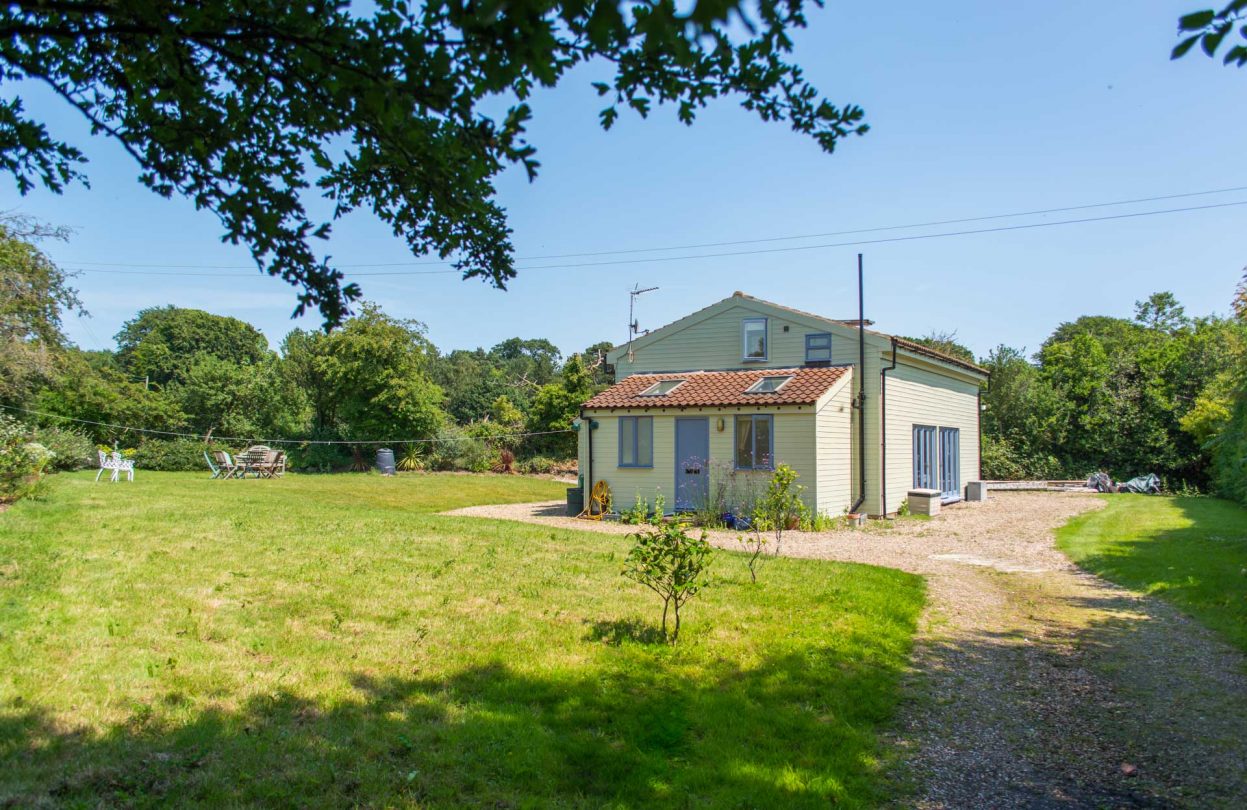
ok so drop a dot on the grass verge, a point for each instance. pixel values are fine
(1189, 551)
(332, 640)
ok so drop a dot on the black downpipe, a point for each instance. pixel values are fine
(861, 387)
(588, 423)
(883, 432)
(983, 389)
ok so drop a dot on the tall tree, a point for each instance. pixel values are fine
(369, 378)
(34, 296)
(1161, 311)
(162, 343)
(408, 109)
(557, 404)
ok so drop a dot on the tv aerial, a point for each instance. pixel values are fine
(634, 328)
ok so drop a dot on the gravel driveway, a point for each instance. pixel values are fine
(1036, 684)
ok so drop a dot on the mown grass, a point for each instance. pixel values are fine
(1189, 551)
(332, 641)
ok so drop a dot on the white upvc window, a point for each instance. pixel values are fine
(753, 339)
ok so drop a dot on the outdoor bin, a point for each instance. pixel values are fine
(575, 501)
(385, 461)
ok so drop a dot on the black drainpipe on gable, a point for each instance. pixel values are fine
(883, 432)
(984, 388)
(588, 423)
(861, 388)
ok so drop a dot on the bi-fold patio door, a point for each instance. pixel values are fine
(950, 464)
(937, 460)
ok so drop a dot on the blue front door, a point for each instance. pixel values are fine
(692, 462)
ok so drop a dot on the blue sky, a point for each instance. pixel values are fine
(976, 109)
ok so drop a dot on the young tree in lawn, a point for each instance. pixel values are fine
(671, 564)
(410, 110)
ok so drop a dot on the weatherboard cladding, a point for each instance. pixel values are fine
(721, 388)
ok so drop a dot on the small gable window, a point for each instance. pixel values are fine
(660, 389)
(818, 348)
(754, 442)
(767, 385)
(636, 441)
(753, 338)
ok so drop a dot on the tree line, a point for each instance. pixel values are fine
(1162, 392)
(176, 370)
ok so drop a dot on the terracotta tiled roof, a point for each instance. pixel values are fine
(713, 388)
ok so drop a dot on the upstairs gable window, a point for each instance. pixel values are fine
(818, 349)
(753, 339)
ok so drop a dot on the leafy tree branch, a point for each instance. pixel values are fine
(247, 106)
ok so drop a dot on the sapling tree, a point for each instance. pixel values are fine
(779, 507)
(671, 564)
(754, 544)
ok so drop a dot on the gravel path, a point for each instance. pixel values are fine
(1036, 684)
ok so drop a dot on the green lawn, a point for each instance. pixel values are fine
(1190, 551)
(333, 641)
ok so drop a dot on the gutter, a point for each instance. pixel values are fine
(883, 434)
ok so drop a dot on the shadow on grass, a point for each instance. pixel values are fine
(618, 631)
(796, 729)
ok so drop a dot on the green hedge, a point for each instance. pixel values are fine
(174, 455)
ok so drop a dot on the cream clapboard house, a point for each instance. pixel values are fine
(743, 385)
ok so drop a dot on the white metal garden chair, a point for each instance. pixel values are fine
(116, 465)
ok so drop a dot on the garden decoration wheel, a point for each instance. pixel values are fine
(599, 502)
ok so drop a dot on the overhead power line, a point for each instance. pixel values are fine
(720, 244)
(184, 435)
(761, 251)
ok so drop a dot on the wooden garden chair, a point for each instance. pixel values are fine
(217, 472)
(225, 464)
(266, 467)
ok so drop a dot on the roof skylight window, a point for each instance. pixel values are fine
(768, 385)
(661, 388)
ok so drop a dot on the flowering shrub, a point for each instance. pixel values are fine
(22, 462)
